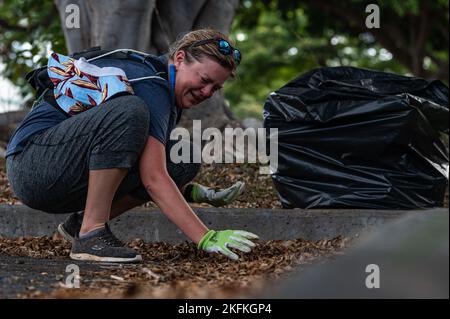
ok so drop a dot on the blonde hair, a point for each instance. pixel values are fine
(209, 50)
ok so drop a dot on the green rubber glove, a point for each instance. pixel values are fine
(219, 241)
(203, 194)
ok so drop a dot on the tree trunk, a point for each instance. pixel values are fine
(150, 25)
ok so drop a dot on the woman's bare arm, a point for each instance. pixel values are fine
(165, 192)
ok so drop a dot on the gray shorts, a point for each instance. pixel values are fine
(51, 173)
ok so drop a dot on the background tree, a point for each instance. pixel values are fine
(416, 32)
(280, 39)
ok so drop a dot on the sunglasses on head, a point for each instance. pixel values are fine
(223, 46)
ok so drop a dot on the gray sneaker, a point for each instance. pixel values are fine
(101, 245)
(71, 226)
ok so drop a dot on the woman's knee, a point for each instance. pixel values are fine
(133, 112)
(123, 135)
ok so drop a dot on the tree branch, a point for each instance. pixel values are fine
(390, 35)
(45, 22)
(424, 26)
(6, 25)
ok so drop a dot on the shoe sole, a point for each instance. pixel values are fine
(89, 257)
(64, 233)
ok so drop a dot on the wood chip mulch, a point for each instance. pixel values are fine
(259, 191)
(6, 193)
(180, 271)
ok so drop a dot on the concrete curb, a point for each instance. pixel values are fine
(270, 224)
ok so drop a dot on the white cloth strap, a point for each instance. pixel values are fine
(147, 78)
(125, 51)
(94, 70)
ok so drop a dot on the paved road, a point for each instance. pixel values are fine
(20, 275)
(24, 274)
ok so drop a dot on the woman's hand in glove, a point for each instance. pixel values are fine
(220, 241)
(217, 198)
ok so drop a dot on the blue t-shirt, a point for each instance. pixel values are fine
(155, 92)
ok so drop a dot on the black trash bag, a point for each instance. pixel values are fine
(357, 138)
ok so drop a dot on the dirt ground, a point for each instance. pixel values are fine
(36, 268)
(259, 191)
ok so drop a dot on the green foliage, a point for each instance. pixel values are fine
(28, 30)
(279, 40)
(279, 43)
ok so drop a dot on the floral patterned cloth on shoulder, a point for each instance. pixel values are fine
(80, 85)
